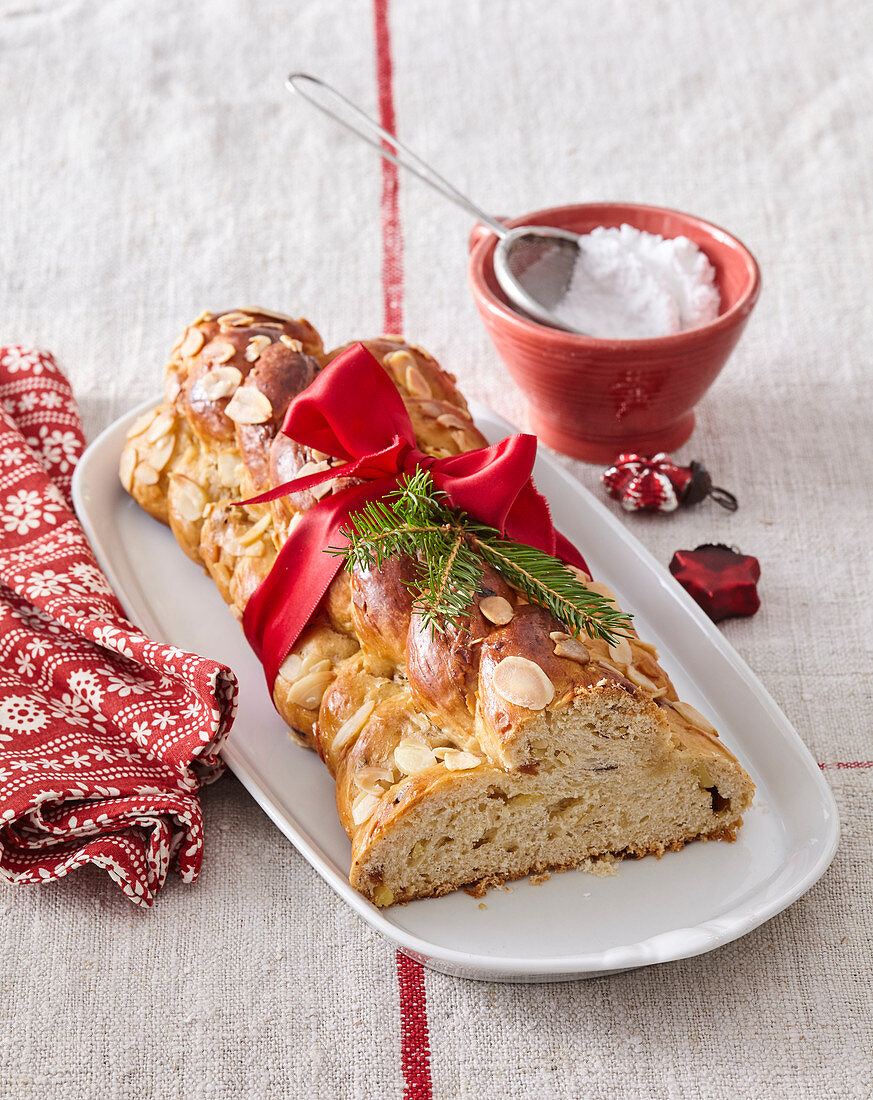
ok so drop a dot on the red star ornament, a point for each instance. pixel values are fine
(723, 581)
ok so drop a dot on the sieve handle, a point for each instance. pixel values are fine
(332, 103)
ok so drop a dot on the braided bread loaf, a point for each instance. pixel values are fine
(492, 751)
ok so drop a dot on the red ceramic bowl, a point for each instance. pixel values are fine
(593, 399)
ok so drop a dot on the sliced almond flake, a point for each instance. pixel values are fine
(621, 652)
(364, 807)
(255, 346)
(640, 679)
(313, 663)
(187, 498)
(235, 319)
(160, 426)
(221, 574)
(430, 408)
(172, 388)
(319, 491)
(573, 650)
(126, 467)
(307, 692)
(352, 726)
(290, 342)
(466, 440)
(457, 761)
(397, 362)
(249, 406)
(220, 351)
(159, 454)
(412, 758)
(291, 667)
(416, 383)
(497, 610)
(220, 382)
(611, 667)
(312, 468)
(523, 683)
(145, 474)
(141, 423)
(255, 532)
(373, 780)
(452, 420)
(192, 343)
(693, 716)
(230, 468)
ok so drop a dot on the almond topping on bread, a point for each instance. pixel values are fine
(523, 683)
(621, 652)
(412, 758)
(571, 648)
(249, 406)
(693, 716)
(364, 807)
(220, 382)
(256, 345)
(220, 351)
(496, 610)
(192, 343)
(457, 761)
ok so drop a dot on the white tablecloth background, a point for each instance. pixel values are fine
(153, 165)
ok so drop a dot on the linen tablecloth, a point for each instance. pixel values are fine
(154, 166)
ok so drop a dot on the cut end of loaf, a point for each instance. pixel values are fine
(612, 782)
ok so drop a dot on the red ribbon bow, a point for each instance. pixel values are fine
(353, 411)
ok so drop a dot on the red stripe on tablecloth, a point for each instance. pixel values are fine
(847, 764)
(414, 1042)
(392, 231)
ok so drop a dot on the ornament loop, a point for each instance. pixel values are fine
(724, 498)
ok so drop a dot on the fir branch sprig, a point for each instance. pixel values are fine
(449, 549)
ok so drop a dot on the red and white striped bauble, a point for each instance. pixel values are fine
(644, 484)
(657, 484)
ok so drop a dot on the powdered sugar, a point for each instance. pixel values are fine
(628, 284)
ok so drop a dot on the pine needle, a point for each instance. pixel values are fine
(449, 550)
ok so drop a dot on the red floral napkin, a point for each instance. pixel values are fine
(105, 736)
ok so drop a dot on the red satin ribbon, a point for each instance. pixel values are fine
(353, 411)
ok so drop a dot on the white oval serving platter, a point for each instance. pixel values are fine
(575, 925)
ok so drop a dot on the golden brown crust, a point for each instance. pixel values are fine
(405, 719)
